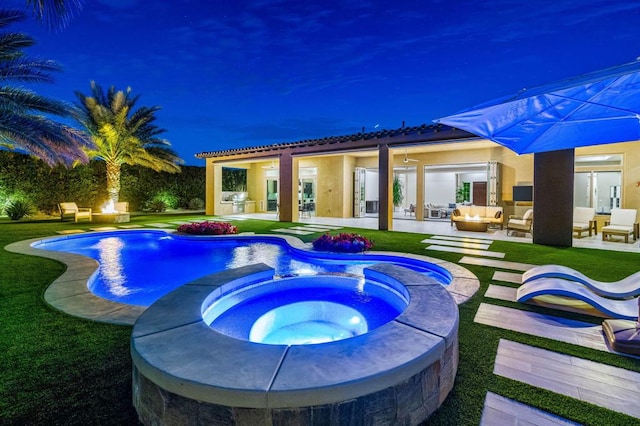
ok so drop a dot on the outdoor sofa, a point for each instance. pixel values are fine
(494, 214)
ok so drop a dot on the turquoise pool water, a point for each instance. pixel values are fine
(139, 267)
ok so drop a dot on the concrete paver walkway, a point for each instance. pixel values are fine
(501, 411)
(600, 384)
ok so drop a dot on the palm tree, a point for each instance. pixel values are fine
(55, 13)
(123, 135)
(24, 125)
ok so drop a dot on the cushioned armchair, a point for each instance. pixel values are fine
(72, 210)
(521, 224)
(584, 220)
(623, 223)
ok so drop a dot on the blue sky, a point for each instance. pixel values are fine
(231, 74)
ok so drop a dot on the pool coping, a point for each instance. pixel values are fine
(173, 347)
(69, 292)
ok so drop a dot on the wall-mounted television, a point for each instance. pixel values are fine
(523, 193)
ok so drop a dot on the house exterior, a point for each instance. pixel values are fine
(353, 176)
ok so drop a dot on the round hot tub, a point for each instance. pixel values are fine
(240, 348)
(305, 309)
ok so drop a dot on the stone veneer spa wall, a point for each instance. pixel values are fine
(400, 373)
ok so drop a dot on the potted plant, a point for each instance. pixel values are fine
(397, 191)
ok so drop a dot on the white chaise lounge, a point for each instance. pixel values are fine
(623, 223)
(623, 289)
(609, 308)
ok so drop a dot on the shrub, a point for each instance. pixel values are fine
(195, 204)
(169, 199)
(18, 209)
(345, 243)
(156, 206)
(208, 228)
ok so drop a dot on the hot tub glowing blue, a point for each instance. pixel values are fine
(304, 310)
(138, 267)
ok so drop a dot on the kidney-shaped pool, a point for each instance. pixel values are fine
(139, 267)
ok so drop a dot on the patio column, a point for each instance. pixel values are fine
(288, 191)
(420, 191)
(553, 174)
(210, 185)
(385, 188)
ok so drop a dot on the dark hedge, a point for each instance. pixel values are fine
(26, 178)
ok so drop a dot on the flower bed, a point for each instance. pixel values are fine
(345, 243)
(208, 228)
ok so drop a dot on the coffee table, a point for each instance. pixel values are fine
(472, 225)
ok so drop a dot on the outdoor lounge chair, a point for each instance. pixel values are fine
(609, 308)
(584, 220)
(623, 222)
(521, 224)
(411, 210)
(623, 289)
(72, 210)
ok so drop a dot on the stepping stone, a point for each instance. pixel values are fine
(603, 385)
(160, 225)
(326, 226)
(575, 332)
(307, 228)
(501, 292)
(457, 244)
(507, 277)
(465, 239)
(179, 222)
(237, 217)
(465, 251)
(501, 411)
(129, 226)
(292, 231)
(104, 228)
(515, 266)
(70, 231)
(316, 229)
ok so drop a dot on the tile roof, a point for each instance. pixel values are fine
(403, 135)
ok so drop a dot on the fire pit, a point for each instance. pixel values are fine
(473, 224)
(117, 217)
(109, 214)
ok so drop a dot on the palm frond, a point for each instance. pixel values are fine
(26, 70)
(16, 99)
(53, 142)
(10, 16)
(56, 14)
(11, 45)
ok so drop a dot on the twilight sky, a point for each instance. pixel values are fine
(233, 73)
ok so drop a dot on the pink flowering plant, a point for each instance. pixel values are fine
(344, 242)
(208, 228)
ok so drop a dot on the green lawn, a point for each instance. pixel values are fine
(58, 369)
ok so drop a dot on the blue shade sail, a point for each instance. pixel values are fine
(592, 109)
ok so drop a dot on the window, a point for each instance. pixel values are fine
(598, 182)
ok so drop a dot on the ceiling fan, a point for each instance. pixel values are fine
(272, 166)
(406, 159)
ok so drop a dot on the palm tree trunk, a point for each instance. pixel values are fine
(113, 181)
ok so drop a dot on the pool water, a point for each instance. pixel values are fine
(305, 310)
(139, 267)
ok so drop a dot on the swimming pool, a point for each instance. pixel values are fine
(138, 267)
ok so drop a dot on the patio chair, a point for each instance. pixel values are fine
(544, 287)
(623, 289)
(622, 223)
(411, 210)
(521, 224)
(584, 220)
(72, 210)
